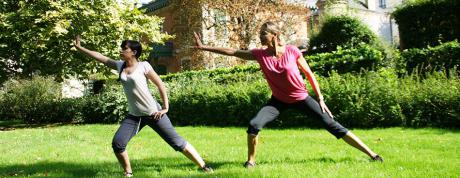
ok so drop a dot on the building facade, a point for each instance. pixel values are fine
(218, 28)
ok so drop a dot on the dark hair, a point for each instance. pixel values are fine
(121, 70)
(133, 45)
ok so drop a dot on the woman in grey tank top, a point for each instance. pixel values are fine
(143, 109)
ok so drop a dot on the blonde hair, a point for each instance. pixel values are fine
(273, 28)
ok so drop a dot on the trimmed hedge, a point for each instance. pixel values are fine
(220, 75)
(428, 22)
(443, 57)
(363, 57)
(371, 99)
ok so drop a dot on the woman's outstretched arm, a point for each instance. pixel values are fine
(94, 54)
(243, 54)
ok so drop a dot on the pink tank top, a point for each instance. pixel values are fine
(283, 75)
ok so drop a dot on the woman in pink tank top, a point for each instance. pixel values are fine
(280, 65)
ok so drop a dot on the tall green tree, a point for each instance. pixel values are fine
(36, 35)
(344, 31)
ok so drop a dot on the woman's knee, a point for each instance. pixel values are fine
(252, 130)
(335, 128)
(265, 115)
(118, 145)
(179, 145)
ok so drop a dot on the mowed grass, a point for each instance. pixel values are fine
(85, 151)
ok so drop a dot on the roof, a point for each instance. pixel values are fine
(155, 5)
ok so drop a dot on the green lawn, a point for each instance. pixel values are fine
(85, 151)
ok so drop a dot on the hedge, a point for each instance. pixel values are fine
(363, 57)
(370, 99)
(427, 22)
(442, 57)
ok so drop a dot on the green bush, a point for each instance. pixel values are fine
(30, 99)
(205, 102)
(442, 57)
(344, 31)
(381, 99)
(66, 110)
(38, 101)
(220, 75)
(369, 99)
(431, 101)
(110, 106)
(427, 22)
(347, 60)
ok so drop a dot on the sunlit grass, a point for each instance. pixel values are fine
(85, 151)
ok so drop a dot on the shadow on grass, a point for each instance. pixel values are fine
(108, 169)
(19, 124)
(50, 169)
(141, 167)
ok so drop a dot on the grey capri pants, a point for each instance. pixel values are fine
(131, 125)
(274, 107)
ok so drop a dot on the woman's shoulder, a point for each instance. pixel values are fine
(146, 66)
(145, 63)
(293, 48)
(258, 51)
(289, 46)
(119, 64)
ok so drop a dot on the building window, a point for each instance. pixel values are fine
(383, 4)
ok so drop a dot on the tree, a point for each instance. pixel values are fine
(243, 18)
(233, 23)
(36, 36)
(246, 17)
(344, 31)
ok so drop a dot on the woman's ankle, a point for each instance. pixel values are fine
(128, 174)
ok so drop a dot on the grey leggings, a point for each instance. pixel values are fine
(274, 106)
(131, 125)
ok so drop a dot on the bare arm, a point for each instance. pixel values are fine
(243, 54)
(153, 76)
(94, 54)
(303, 65)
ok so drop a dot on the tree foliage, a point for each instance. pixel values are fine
(36, 36)
(344, 31)
(246, 17)
(427, 22)
(241, 18)
(230, 23)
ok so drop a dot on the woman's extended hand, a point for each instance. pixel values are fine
(324, 108)
(198, 43)
(158, 115)
(77, 41)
